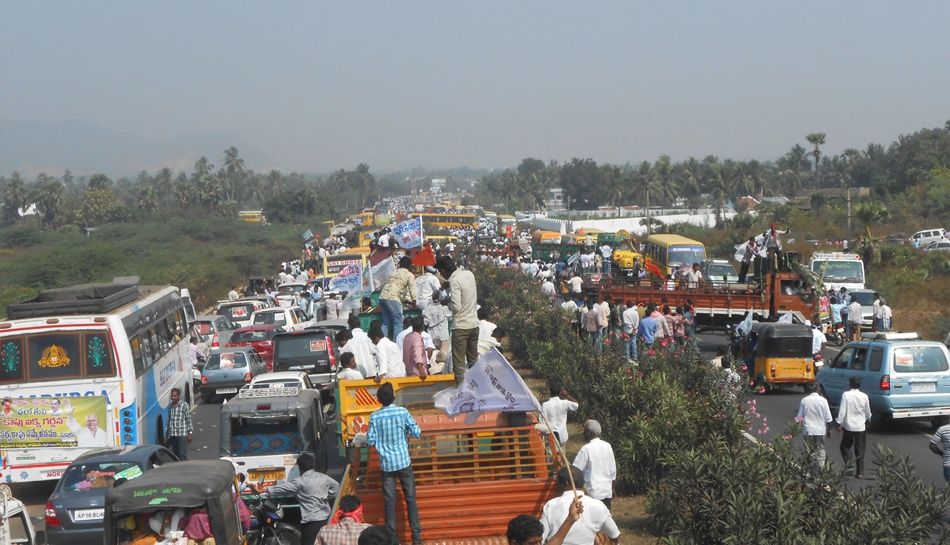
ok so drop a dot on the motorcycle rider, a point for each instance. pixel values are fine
(314, 491)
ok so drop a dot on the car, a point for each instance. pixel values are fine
(258, 337)
(939, 246)
(331, 325)
(287, 318)
(287, 293)
(239, 311)
(281, 379)
(719, 271)
(896, 238)
(866, 298)
(228, 370)
(311, 350)
(75, 509)
(922, 239)
(903, 376)
(212, 331)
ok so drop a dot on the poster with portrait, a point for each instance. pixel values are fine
(54, 422)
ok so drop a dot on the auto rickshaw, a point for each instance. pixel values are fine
(175, 496)
(777, 354)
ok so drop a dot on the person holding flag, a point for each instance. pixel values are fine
(392, 294)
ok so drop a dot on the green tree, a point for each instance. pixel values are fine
(49, 195)
(233, 175)
(275, 183)
(164, 186)
(15, 197)
(816, 139)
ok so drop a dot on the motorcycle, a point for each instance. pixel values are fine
(267, 526)
(835, 334)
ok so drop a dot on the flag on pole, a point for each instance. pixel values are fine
(348, 279)
(492, 384)
(409, 233)
(307, 235)
(424, 257)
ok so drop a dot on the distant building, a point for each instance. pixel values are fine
(556, 199)
(747, 203)
(438, 185)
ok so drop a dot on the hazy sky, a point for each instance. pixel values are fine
(325, 85)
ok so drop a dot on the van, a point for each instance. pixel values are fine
(922, 239)
(311, 351)
(903, 376)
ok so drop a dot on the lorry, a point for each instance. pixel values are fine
(838, 269)
(472, 476)
(770, 294)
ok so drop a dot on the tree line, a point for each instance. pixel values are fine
(907, 162)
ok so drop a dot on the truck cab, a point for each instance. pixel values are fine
(15, 524)
(838, 269)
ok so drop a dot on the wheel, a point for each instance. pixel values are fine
(878, 421)
(159, 432)
(283, 534)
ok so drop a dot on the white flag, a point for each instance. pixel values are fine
(492, 384)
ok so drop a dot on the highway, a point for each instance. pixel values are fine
(907, 438)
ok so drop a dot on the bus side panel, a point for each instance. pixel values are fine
(154, 388)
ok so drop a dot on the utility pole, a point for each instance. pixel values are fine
(848, 197)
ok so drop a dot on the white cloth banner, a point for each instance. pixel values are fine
(409, 233)
(492, 384)
(348, 279)
(378, 274)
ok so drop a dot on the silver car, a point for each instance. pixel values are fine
(228, 370)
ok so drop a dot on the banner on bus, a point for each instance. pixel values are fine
(409, 233)
(54, 422)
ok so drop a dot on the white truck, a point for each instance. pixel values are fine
(15, 525)
(838, 269)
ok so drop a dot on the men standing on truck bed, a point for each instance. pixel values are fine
(388, 428)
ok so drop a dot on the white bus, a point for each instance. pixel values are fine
(88, 366)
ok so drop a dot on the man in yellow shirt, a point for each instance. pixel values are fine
(392, 294)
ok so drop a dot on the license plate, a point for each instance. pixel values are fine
(923, 387)
(226, 391)
(88, 514)
(267, 478)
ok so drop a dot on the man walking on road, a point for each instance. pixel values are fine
(940, 445)
(596, 460)
(853, 416)
(854, 316)
(313, 491)
(179, 425)
(815, 415)
(388, 428)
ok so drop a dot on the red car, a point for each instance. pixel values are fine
(258, 337)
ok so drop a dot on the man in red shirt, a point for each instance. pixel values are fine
(414, 354)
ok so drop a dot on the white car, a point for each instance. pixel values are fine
(922, 239)
(939, 246)
(289, 319)
(287, 294)
(281, 379)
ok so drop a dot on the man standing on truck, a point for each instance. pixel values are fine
(463, 302)
(750, 250)
(388, 428)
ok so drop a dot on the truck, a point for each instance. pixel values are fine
(838, 269)
(472, 475)
(770, 294)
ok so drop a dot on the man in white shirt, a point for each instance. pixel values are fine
(815, 416)
(577, 284)
(427, 286)
(90, 436)
(389, 353)
(333, 307)
(876, 313)
(348, 368)
(606, 253)
(853, 415)
(555, 410)
(631, 321)
(596, 460)
(547, 288)
(367, 360)
(854, 318)
(886, 315)
(818, 339)
(595, 517)
(694, 276)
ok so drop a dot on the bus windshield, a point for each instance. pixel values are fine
(685, 255)
(841, 271)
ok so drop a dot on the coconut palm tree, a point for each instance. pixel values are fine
(816, 139)
(48, 196)
(15, 197)
(721, 179)
(163, 185)
(275, 183)
(234, 173)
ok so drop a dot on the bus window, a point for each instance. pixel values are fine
(54, 357)
(137, 359)
(11, 360)
(98, 356)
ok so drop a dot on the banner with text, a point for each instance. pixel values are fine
(409, 233)
(348, 279)
(492, 384)
(54, 422)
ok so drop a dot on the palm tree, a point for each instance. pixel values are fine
(275, 183)
(48, 197)
(816, 139)
(233, 173)
(721, 179)
(163, 185)
(184, 191)
(790, 168)
(147, 200)
(15, 197)
(689, 178)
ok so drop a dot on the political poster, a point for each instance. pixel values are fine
(492, 384)
(348, 279)
(408, 233)
(54, 422)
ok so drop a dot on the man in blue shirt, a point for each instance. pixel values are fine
(648, 327)
(388, 430)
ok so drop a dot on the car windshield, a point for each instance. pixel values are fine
(686, 255)
(251, 336)
(289, 289)
(303, 346)
(80, 477)
(842, 271)
(226, 360)
(717, 271)
(238, 312)
(866, 298)
(920, 359)
(262, 437)
(267, 318)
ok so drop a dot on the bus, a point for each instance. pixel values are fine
(431, 220)
(252, 216)
(88, 366)
(667, 253)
